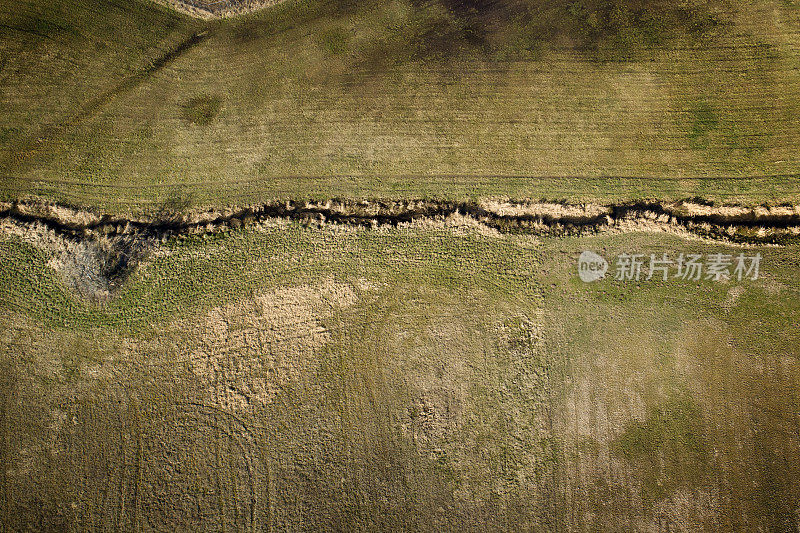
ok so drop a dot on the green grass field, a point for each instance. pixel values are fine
(405, 379)
(103, 105)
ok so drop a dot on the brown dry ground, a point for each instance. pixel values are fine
(429, 377)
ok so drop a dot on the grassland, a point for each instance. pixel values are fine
(419, 378)
(106, 105)
(436, 375)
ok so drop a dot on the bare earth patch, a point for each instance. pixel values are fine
(209, 9)
(246, 351)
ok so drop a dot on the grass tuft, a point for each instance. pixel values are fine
(202, 110)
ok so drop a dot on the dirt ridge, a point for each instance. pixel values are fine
(757, 225)
(213, 9)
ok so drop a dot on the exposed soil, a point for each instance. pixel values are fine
(744, 224)
(217, 8)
